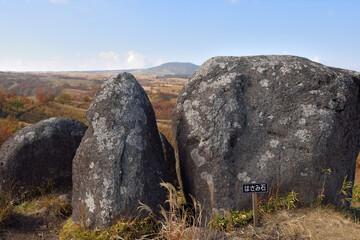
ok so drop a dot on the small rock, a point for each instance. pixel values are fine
(65, 198)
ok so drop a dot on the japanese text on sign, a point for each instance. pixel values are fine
(255, 188)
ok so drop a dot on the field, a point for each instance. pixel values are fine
(31, 97)
(26, 98)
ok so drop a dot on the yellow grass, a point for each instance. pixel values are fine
(357, 170)
(74, 92)
(308, 223)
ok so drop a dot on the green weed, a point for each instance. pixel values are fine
(234, 219)
(321, 195)
(345, 191)
(123, 229)
(231, 220)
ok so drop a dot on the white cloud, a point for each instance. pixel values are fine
(128, 60)
(59, 1)
(57, 58)
(158, 62)
(316, 58)
(135, 60)
(285, 53)
(109, 55)
(104, 60)
(17, 64)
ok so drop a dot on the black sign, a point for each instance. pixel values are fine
(255, 188)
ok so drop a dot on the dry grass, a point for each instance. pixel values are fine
(164, 127)
(6, 207)
(177, 219)
(183, 222)
(46, 204)
(308, 223)
(357, 170)
(75, 92)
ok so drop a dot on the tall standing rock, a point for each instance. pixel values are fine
(275, 119)
(120, 159)
(40, 152)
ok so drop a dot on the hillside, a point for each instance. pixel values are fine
(172, 68)
(29, 90)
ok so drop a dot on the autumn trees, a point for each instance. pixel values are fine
(11, 104)
(8, 127)
(64, 98)
(42, 98)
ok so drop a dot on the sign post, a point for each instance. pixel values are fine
(255, 208)
(254, 189)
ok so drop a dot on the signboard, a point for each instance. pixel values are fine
(255, 188)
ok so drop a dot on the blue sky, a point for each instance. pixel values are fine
(60, 35)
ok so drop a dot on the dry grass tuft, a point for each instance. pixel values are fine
(6, 207)
(179, 222)
(46, 204)
(308, 223)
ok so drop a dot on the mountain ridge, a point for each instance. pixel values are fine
(170, 68)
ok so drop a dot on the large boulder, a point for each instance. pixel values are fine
(120, 160)
(40, 152)
(283, 120)
(170, 160)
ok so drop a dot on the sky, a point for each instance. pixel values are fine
(80, 35)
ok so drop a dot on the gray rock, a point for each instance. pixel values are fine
(65, 198)
(40, 152)
(170, 160)
(120, 160)
(274, 119)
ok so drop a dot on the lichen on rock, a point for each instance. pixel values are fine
(275, 119)
(41, 152)
(120, 160)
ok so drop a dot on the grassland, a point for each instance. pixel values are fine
(45, 216)
(162, 93)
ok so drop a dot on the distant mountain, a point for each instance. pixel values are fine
(172, 68)
(175, 69)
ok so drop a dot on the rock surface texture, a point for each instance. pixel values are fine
(120, 160)
(274, 119)
(40, 152)
(170, 160)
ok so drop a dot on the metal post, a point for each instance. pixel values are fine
(255, 208)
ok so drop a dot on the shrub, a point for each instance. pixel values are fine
(8, 128)
(231, 220)
(64, 98)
